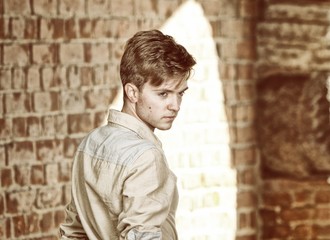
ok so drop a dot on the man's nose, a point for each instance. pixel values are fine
(175, 103)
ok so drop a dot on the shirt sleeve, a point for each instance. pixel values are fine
(72, 228)
(147, 196)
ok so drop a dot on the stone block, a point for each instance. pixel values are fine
(46, 101)
(51, 173)
(22, 175)
(44, 53)
(20, 201)
(73, 101)
(71, 53)
(5, 79)
(51, 28)
(33, 78)
(19, 127)
(72, 7)
(45, 7)
(37, 175)
(20, 153)
(19, 79)
(16, 54)
(48, 197)
(17, 7)
(79, 123)
(98, 7)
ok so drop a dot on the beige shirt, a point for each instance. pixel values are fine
(122, 187)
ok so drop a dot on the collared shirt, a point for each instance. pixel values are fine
(122, 187)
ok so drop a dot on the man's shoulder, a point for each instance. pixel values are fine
(114, 144)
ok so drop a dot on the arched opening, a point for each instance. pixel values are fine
(197, 147)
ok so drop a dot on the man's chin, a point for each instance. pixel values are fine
(164, 128)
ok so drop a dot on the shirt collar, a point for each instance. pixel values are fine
(127, 121)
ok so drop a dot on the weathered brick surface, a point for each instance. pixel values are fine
(59, 72)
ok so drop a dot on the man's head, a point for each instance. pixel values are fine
(154, 71)
(151, 56)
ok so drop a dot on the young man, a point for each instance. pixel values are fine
(122, 187)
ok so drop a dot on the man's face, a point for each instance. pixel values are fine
(158, 106)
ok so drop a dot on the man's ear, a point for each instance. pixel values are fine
(132, 92)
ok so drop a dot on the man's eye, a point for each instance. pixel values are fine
(163, 94)
(182, 93)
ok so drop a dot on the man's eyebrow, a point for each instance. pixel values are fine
(170, 90)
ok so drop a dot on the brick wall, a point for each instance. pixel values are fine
(59, 72)
(293, 42)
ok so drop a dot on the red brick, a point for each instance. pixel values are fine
(123, 28)
(98, 7)
(33, 128)
(2, 206)
(71, 53)
(64, 171)
(6, 128)
(247, 220)
(246, 50)
(249, 8)
(268, 216)
(245, 72)
(48, 126)
(33, 78)
(237, 28)
(322, 197)
(73, 76)
(72, 7)
(99, 54)
(19, 80)
(46, 101)
(298, 214)
(73, 101)
(51, 174)
(51, 28)
(6, 177)
(61, 125)
(79, 123)
(246, 134)
(17, 26)
(246, 91)
(274, 199)
(20, 226)
(20, 152)
(70, 147)
(223, 8)
(44, 53)
(246, 199)
(18, 7)
(45, 7)
(30, 30)
(247, 176)
(2, 28)
(22, 175)
(276, 232)
(49, 197)
(19, 127)
(44, 150)
(70, 28)
(33, 223)
(59, 217)
(86, 76)
(37, 175)
(5, 227)
(122, 8)
(3, 158)
(166, 8)
(46, 222)
(5, 79)
(16, 55)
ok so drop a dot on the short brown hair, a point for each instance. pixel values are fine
(151, 56)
